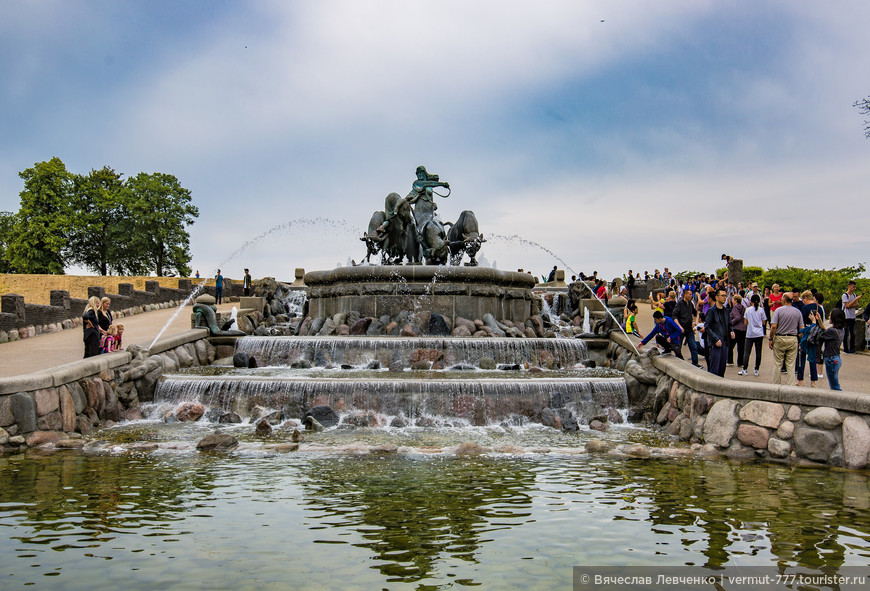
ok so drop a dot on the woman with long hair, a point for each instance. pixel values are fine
(91, 327)
(832, 338)
(755, 318)
(104, 316)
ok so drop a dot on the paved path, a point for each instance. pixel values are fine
(50, 350)
(46, 351)
(854, 375)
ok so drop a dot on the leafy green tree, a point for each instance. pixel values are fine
(96, 204)
(831, 283)
(751, 274)
(156, 210)
(44, 219)
(687, 275)
(8, 222)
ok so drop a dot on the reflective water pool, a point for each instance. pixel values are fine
(255, 519)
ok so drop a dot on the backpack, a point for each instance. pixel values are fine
(812, 336)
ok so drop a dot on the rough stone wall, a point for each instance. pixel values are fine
(785, 430)
(17, 314)
(770, 430)
(48, 412)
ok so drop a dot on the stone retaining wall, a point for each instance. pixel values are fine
(73, 399)
(18, 319)
(747, 420)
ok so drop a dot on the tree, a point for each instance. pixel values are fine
(864, 108)
(831, 283)
(156, 209)
(96, 202)
(8, 221)
(44, 219)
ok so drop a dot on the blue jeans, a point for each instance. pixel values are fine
(804, 357)
(832, 367)
(689, 337)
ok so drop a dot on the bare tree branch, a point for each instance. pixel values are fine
(864, 108)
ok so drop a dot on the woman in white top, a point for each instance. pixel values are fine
(755, 320)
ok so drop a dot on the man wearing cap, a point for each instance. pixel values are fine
(753, 289)
(784, 327)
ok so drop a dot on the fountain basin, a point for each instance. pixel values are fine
(469, 292)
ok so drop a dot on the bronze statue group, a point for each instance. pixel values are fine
(409, 228)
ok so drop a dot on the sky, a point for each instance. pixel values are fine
(597, 135)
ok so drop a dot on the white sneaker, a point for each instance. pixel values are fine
(742, 372)
(756, 372)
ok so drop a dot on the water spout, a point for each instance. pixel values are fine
(234, 325)
(525, 242)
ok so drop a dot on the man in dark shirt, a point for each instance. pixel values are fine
(684, 313)
(246, 285)
(796, 300)
(717, 333)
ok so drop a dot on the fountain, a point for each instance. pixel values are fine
(399, 340)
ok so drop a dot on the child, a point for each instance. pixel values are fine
(657, 304)
(631, 322)
(118, 337)
(111, 341)
(107, 339)
(702, 346)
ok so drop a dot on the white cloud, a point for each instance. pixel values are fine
(326, 67)
(278, 110)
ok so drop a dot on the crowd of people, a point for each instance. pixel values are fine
(101, 334)
(726, 325)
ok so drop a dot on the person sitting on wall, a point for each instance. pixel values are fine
(667, 334)
(631, 320)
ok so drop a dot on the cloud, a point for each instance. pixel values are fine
(323, 69)
(592, 139)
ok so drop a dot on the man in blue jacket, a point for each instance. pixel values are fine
(667, 334)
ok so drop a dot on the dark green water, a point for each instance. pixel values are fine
(252, 519)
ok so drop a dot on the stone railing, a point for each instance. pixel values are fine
(70, 400)
(746, 419)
